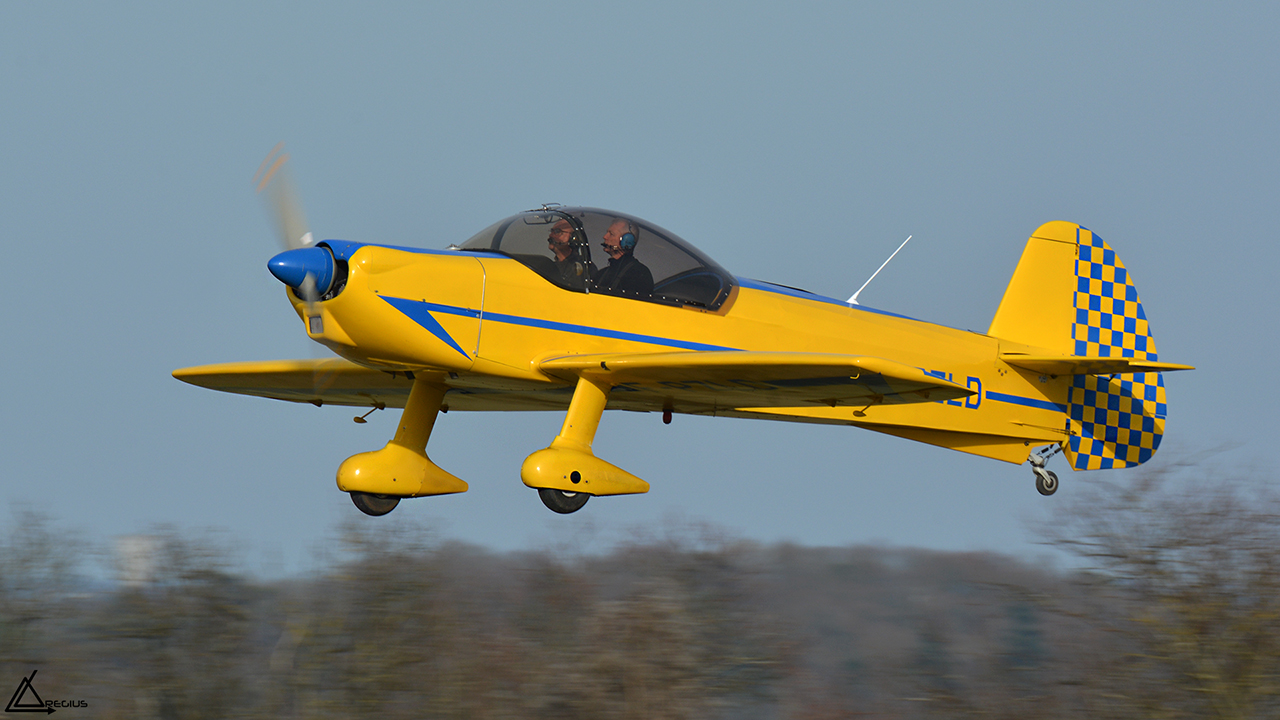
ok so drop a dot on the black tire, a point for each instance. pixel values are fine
(1047, 484)
(375, 505)
(561, 501)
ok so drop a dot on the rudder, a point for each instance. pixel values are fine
(1115, 421)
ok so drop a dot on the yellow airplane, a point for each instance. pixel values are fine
(581, 310)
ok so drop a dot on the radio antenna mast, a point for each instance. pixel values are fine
(854, 300)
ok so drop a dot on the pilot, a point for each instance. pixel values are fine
(573, 271)
(625, 275)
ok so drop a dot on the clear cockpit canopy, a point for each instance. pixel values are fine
(564, 246)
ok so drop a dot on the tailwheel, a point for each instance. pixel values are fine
(375, 505)
(1046, 481)
(561, 501)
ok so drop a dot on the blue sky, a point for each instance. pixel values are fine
(798, 145)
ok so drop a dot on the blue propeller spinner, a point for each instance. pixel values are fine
(292, 267)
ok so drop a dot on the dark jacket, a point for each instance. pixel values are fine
(625, 276)
(569, 269)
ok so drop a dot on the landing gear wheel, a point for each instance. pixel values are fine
(1046, 483)
(375, 505)
(561, 501)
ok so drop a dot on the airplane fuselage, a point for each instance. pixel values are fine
(490, 320)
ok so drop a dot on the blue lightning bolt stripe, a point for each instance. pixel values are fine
(419, 312)
(601, 332)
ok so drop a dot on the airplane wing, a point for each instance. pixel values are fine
(700, 382)
(1079, 365)
(329, 381)
(335, 381)
(731, 379)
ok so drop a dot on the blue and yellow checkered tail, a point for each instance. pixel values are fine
(1115, 420)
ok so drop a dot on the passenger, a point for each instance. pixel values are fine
(574, 271)
(625, 275)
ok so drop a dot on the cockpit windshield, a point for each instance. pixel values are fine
(598, 251)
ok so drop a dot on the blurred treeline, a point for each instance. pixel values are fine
(1164, 603)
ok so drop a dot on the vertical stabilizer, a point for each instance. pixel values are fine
(1038, 307)
(1071, 295)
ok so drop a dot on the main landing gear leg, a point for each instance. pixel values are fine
(1046, 480)
(567, 474)
(378, 479)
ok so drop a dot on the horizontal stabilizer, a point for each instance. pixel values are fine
(1076, 365)
(763, 379)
